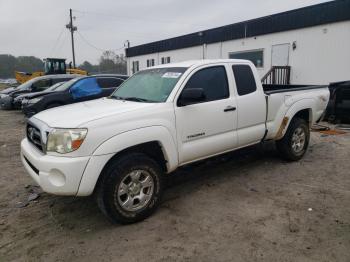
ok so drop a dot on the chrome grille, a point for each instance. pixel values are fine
(34, 136)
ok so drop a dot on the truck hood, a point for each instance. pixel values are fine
(75, 115)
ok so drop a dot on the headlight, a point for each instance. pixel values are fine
(65, 140)
(34, 100)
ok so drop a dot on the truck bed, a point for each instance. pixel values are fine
(273, 89)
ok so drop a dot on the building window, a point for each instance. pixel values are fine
(150, 62)
(166, 60)
(135, 67)
(255, 56)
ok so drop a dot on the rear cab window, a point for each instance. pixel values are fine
(245, 80)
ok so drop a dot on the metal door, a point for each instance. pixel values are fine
(280, 55)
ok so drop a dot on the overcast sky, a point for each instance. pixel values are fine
(37, 27)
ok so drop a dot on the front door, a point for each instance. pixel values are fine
(207, 128)
(280, 55)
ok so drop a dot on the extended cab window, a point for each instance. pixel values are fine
(245, 81)
(213, 81)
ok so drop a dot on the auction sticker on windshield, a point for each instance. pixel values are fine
(172, 75)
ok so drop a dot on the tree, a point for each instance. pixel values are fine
(9, 64)
(110, 62)
(87, 66)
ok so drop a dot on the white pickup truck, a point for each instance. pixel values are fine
(162, 118)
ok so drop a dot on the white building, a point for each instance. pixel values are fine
(313, 41)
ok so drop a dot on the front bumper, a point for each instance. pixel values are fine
(6, 102)
(17, 104)
(27, 109)
(54, 174)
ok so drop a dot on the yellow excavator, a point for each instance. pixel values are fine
(51, 66)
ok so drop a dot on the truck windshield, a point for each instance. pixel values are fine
(152, 85)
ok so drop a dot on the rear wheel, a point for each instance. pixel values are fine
(130, 188)
(295, 142)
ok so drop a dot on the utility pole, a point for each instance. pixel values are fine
(72, 28)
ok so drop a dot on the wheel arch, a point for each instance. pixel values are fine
(155, 142)
(303, 109)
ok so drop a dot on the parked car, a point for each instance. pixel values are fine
(77, 90)
(37, 84)
(162, 118)
(17, 102)
(338, 109)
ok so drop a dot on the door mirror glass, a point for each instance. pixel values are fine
(191, 96)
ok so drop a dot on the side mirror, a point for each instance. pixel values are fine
(191, 96)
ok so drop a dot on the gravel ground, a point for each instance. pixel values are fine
(244, 206)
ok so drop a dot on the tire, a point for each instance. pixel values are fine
(121, 196)
(295, 142)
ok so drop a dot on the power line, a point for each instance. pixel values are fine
(144, 20)
(59, 47)
(95, 47)
(57, 40)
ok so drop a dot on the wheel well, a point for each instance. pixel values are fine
(304, 114)
(152, 149)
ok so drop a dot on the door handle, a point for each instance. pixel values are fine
(230, 108)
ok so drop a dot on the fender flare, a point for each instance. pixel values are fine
(139, 136)
(304, 104)
(112, 146)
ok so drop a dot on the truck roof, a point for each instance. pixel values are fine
(200, 62)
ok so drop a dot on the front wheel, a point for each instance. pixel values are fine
(130, 188)
(294, 144)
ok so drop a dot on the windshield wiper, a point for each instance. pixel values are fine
(132, 98)
(115, 97)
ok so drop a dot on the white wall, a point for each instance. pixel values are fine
(322, 53)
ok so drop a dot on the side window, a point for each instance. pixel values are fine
(85, 87)
(213, 81)
(109, 82)
(245, 81)
(41, 84)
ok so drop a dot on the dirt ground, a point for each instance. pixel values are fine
(244, 206)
